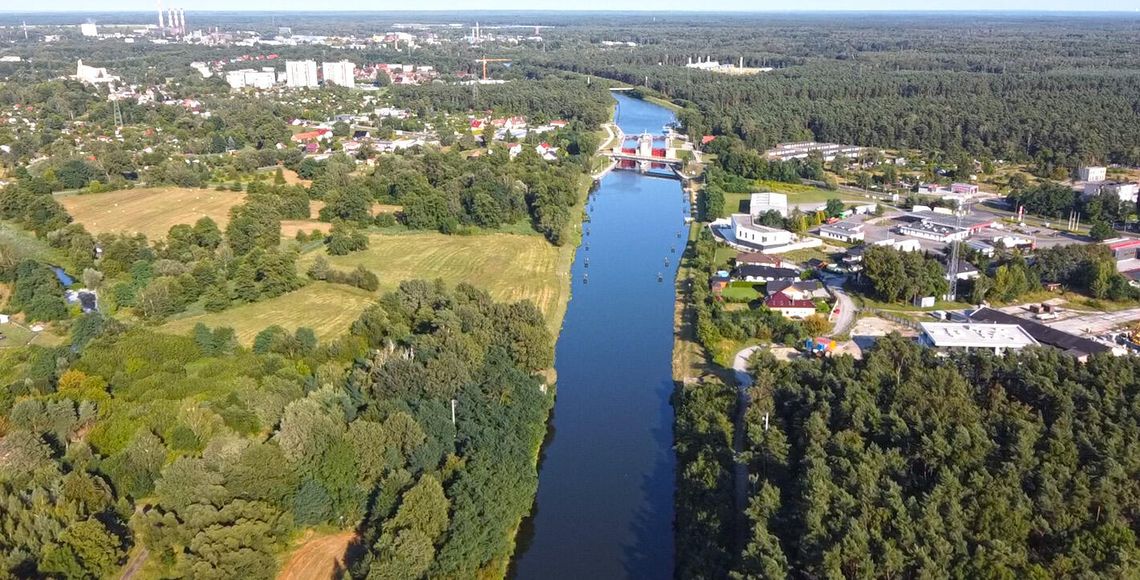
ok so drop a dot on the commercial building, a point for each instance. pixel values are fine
(847, 232)
(762, 203)
(88, 29)
(342, 74)
(1092, 173)
(929, 230)
(747, 232)
(955, 335)
(301, 73)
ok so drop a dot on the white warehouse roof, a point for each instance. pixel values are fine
(975, 335)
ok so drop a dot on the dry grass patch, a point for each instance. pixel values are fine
(509, 267)
(328, 309)
(151, 211)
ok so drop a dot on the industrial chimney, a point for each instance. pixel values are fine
(161, 23)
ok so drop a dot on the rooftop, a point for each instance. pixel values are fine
(1043, 334)
(976, 335)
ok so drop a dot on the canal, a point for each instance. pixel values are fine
(606, 475)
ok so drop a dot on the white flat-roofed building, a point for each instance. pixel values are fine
(88, 29)
(801, 150)
(936, 232)
(995, 337)
(745, 230)
(1127, 192)
(261, 80)
(1092, 173)
(301, 73)
(341, 74)
(847, 232)
(764, 202)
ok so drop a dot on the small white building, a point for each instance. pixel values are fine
(846, 232)
(929, 230)
(764, 202)
(748, 232)
(995, 337)
(1092, 173)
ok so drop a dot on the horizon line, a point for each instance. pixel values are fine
(613, 10)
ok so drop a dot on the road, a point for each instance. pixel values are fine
(844, 310)
(739, 468)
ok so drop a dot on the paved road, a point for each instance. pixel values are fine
(843, 313)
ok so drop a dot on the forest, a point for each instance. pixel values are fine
(212, 456)
(908, 464)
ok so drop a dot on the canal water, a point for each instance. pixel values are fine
(606, 475)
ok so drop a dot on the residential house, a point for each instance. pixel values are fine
(790, 307)
(1092, 173)
(966, 270)
(718, 283)
(798, 289)
(764, 274)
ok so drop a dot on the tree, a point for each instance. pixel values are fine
(835, 208)
(1101, 231)
(816, 325)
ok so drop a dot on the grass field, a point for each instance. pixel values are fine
(26, 244)
(328, 309)
(151, 211)
(510, 267)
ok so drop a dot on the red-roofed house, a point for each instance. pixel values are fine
(317, 135)
(790, 307)
(476, 123)
(707, 139)
(559, 124)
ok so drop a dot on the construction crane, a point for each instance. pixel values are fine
(486, 60)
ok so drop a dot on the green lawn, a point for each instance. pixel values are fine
(742, 292)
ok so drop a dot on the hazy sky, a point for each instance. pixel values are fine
(704, 5)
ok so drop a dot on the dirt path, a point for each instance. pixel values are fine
(319, 558)
(135, 563)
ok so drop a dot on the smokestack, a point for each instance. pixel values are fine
(742, 62)
(182, 20)
(170, 18)
(161, 23)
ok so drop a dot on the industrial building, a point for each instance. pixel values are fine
(301, 73)
(1071, 344)
(341, 74)
(955, 335)
(930, 230)
(88, 29)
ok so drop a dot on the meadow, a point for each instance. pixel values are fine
(150, 211)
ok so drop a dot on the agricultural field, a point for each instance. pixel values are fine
(151, 211)
(328, 309)
(509, 267)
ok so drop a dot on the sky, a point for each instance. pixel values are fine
(658, 5)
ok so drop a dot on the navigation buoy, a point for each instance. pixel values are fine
(672, 249)
(660, 277)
